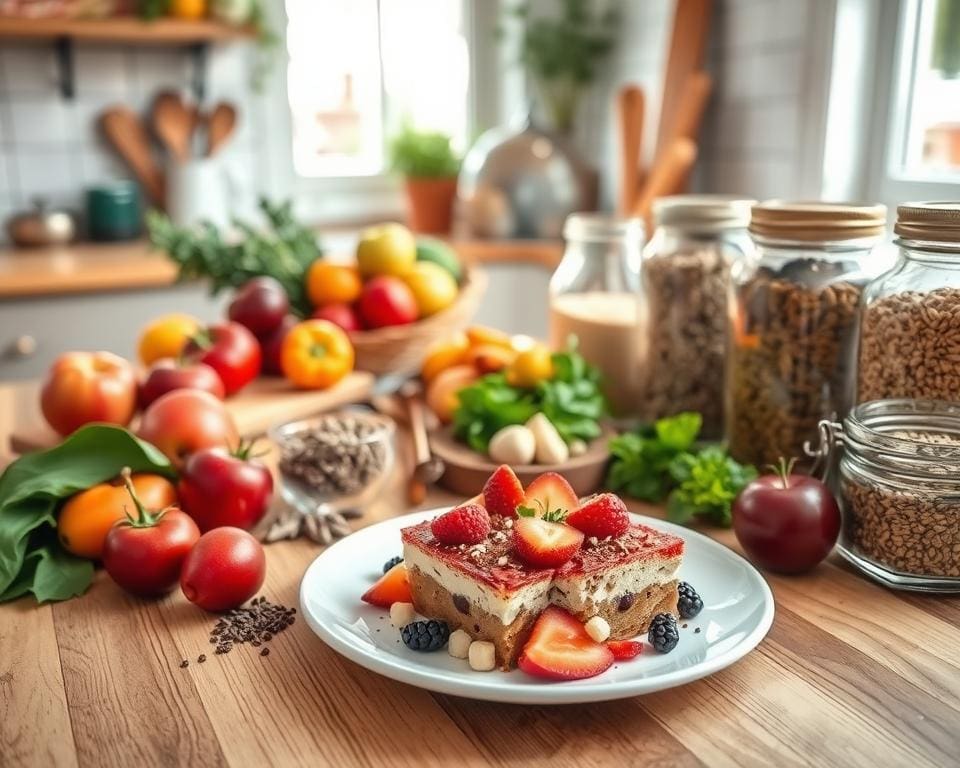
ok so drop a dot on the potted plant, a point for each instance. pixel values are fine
(429, 166)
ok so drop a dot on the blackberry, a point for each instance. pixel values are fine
(425, 635)
(392, 562)
(663, 633)
(689, 603)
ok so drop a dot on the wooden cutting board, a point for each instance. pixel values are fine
(265, 402)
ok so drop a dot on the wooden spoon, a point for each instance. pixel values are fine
(220, 124)
(126, 132)
(630, 106)
(174, 123)
(667, 175)
(427, 467)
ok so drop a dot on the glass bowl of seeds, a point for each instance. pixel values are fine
(336, 462)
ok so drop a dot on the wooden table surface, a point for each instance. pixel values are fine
(851, 674)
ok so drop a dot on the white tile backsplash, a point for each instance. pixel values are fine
(102, 71)
(28, 68)
(38, 120)
(51, 172)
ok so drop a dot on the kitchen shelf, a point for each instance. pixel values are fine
(124, 30)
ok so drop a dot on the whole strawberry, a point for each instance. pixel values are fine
(601, 516)
(466, 524)
(503, 492)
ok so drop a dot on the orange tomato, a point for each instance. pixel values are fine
(332, 283)
(481, 335)
(316, 354)
(444, 354)
(88, 516)
(166, 337)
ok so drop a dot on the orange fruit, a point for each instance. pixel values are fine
(482, 335)
(166, 337)
(443, 392)
(490, 358)
(329, 283)
(442, 355)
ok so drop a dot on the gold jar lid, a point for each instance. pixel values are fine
(703, 212)
(817, 221)
(932, 222)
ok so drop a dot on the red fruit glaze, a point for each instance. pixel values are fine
(466, 524)
(390, 588)
(601, 516)
(559, 648)
(543, 544)
(550, 492)
(624, 650)
(503, 492)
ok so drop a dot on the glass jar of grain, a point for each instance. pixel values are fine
(910, 323)
(900, 491)
(685, 281)
(794, 324)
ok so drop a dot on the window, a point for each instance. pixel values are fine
(358, 69)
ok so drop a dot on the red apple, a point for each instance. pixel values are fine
(82, 387)
(168, 374)
(387, 300)
(272, 343)
(184, 421)
(342, 315)
(785, 522)
(260, 305)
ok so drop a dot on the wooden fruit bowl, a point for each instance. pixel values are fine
(401, 348)
(466, 470)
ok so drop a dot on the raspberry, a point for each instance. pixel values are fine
(503, 493)
(467, 524)
(601, 516)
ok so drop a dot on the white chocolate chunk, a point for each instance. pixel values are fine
(458, 645)
(482, 656)
(598, 628)
(550, 446)
(402, 614)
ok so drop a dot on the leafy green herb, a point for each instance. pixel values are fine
(571, 400)
(31, 558)
(641, 460)
(707, 484)
(423, 154)
(284, 252)
(550, 515)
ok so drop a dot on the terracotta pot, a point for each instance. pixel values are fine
(430, 203)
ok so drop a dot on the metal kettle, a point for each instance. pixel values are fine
(42, 226)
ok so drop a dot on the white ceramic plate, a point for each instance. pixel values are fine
(738, 611)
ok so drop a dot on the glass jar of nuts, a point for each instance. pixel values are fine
(685, 279)
(910, 323)
(900, 491)
(794, 324)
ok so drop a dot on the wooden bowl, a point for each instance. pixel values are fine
(401, 348)
(466, 470)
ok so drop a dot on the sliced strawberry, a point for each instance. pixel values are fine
(601, 516)
(544, 544)
(466, 524)
(624, 650)
(503, 492)
(392, 587)
(559, 648)
(478, 500)
(548, 494)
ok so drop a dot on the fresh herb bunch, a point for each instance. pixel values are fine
(663, 461)
(284, 251)
(571, 400)
(423, 154)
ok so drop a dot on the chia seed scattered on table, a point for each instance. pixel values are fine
(256, 624)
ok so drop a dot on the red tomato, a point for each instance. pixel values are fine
(387, 301)
(342, 315)
(231, 350)
(272, 344)
(218, 488)
(145, 554)
(223, 570)
(82, 387)
(186, 420)
(260, 305)
(168, 374)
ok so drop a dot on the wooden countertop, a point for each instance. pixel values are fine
(851, 674)
(98, 267)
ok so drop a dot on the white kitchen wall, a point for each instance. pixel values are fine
(51, 146)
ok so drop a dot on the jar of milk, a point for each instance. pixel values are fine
(595, 296)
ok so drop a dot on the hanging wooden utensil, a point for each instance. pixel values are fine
(174, 122)
(630, 109)
(126, 132)
(220, 125)
(667, 175)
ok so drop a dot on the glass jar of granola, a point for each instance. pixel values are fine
(685, 283)
(910, 322)
(794, 324)
(899, 484)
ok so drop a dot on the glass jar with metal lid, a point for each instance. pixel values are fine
(910, 324)
(899, 489)
(794, 324)
(685, 284)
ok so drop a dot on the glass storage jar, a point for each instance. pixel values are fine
(794, 324)
(594, 295)
(685, 279)
(910, 317)
(899, 490)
